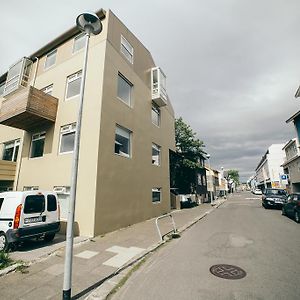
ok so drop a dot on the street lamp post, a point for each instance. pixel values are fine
(89, 23)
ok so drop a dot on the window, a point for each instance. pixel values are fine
(10, 151)
(67, 138)
(48, 89)
(2, 88)
(73, 85)
(50, 59)
(124, 89)
(37, 145)
(155, 114)
(122, 141)
(34, 204)
(63, 195)
(156, 195)
(79, 42)
(127, 49)
(30, 188)
(51, 203)
(155, 154)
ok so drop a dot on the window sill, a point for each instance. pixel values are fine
(123, 101)
(71, 98)
(63, 153)
(122, 155)
(35, 158)
(156, 202)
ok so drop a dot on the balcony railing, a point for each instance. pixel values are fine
(7, 170)
(28, 108)
(158, 86)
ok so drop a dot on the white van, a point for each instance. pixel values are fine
(24, 215)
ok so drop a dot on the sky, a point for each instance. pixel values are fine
(232, 66)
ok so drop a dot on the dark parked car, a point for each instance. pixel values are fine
(292, 207)
(274, 198)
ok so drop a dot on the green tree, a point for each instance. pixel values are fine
(234, 175)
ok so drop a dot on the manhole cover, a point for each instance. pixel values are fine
(227, 271)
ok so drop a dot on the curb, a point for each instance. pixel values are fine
(10, 269)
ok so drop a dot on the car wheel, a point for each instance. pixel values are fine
(49, 237)
(297, 217)
(283, 211)
(3, 242)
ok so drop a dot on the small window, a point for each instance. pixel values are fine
(10, 150)
(127, 49)
(34, 204)
(48, 89)
(50, 59)
(156, 195)
(51, 203)
(67, 138)
(37, 145)
(73, 85)
(1, 201)
(155, 114)
(124, 89)
(79, 42)
(156, 154)
(30, 188)
(122, 141)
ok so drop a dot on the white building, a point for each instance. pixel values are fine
(269, 169)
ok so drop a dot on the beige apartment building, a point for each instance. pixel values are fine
(127, 127)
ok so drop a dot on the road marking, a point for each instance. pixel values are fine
(86, 254)
(123, 255)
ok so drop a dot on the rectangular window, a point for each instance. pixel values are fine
(127, 49)
(73, 85)
(30, 188)
(155, 114)
(79, 42)
(67, 138)
(50, 59)
(63, 195)
(34, 204)
(51, 203)
(37, 144)
(156, 195)
(122, 141)
(124, 89)
(10, 151)
(156, 155)
(48, 89)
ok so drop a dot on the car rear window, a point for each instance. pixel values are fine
(34, 204)
(276, 192)
(51, 203)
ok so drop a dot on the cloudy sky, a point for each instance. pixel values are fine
(232, 66)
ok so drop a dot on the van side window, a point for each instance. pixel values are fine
(51, 203)
(34, 204)
(1, 201)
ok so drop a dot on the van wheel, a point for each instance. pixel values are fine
(49, 237)
(3, 242)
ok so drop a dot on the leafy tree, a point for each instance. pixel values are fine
(234, 175)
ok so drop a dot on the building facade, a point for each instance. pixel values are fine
(126, 134)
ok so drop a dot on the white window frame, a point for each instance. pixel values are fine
(126, 49)
(47, 56)
(76, 38)
(36, 137)
(156, 189)
(70, 79)
(12, 144)
(122, 77)
(66, 129)
(158, 148)
(129, 155)
(48, 89)
(156, 109)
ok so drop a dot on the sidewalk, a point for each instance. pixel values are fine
(95, 260)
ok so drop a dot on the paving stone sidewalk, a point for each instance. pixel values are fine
(95, 260)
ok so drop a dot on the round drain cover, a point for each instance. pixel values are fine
(227, 271)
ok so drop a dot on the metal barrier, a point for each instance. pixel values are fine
(158, 230)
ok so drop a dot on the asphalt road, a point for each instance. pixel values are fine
(240, 232)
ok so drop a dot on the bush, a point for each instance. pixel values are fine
(5, 260)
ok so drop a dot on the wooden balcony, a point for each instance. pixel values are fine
(28, 109)
(7, 170)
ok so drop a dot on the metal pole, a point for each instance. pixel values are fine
(70, 223)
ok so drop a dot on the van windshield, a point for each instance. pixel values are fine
(34, 204)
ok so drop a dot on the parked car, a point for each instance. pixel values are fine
(186, 201)
(26, 215)
(257, 192)
(274, 198)
(292, 207)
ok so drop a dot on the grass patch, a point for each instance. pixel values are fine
(5, 260)
(22, 268)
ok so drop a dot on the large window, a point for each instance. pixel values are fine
(127, 49)
(124, 89)
(73, 85)
(50, 59)
(155, 154)
(67, 138)
(155, 114)
(48, 89)
(79, 42)
(156, 195)
(122, 141)
(10, 150)
(37, 144)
